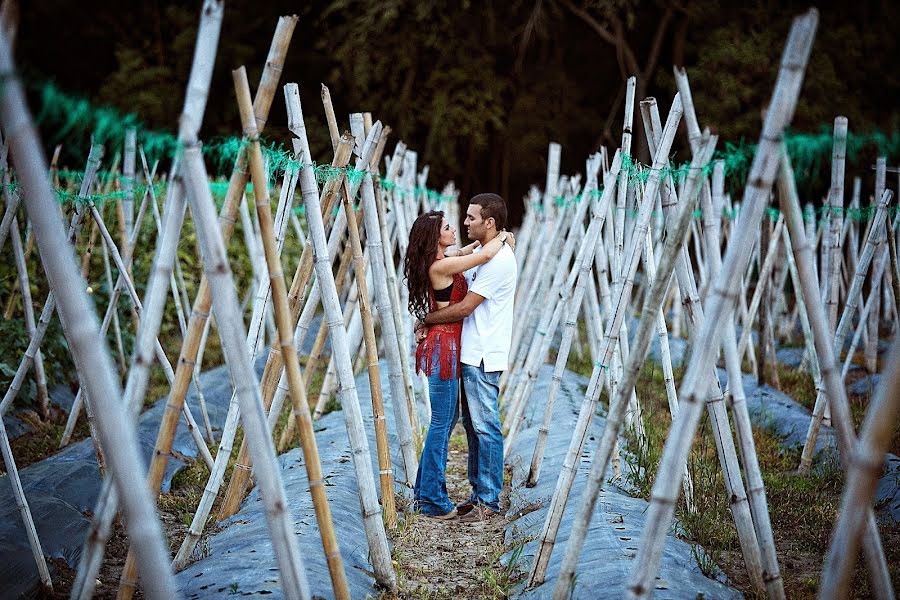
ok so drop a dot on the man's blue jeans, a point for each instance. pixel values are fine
(431, 482)
(481, 420)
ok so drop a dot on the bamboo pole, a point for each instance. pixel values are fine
(379, 553)
(583, 265)
(843, 328)
(809, 344)
(117, 329)
(232, 334)
(836, 208)
(536, 314)
(404, 321)
(375, 242)
(878, 570)
(386, 476)
(285, 331)
(534, 269)
(22, 503)
(156, 291)
(160, 352)
(895, 270)
(588, 405)
(395, 305)
(162, 270)
(243, 464)
(771, 572)
(128, 165)
(333, 132)
(860, 327)
(75, 226)
(12, 204)
(88, 349)
(865, 465)
(549, 316)
(104, 326)
(742, 511)
(695, 384)
(871, 347)
(675, 234)
(274, 379)
(762, 279)
(41, 397)
(304, 272)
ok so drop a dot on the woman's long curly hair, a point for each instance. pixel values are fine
(420, 253)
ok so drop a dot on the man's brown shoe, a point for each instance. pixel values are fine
(478, 514)
(445, 517)
(464, 508)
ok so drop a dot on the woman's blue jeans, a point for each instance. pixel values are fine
(431, 481)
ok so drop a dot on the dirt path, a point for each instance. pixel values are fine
(451, 559)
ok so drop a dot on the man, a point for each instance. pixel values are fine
(487, 311)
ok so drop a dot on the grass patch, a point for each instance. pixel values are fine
(44, 438)
(802, 508)
(798, 384)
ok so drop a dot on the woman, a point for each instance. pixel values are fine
(435, 280)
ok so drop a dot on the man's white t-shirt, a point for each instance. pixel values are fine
(487, 332)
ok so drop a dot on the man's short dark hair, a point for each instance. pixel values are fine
(491, 205)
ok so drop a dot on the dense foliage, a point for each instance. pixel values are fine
(479, 88)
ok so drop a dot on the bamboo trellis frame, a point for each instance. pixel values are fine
(597, 284)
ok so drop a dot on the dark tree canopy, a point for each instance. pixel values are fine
(478, 88)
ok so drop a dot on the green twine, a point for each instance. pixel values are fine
(825, 212)
(72, 116)
(77, 117)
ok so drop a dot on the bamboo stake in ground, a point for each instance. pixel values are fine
(865, 467)
(199, 319)
(128, 165)
(831, 377)
(91, 355)
(871, 347)
(762, 279)
(600, 371)
(583, 265)
(725, 447)
(286, 337)
(675, 233)
(104, 326)
(109, 243)
(22, 502)
(377, 256)
(386, 475)
(395, 307)
(156, 292)
(876, 226)
(40, 377)
(379, 553)
(274, 382)
(721, 301)
(232, 334)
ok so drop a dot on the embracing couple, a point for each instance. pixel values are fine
(463, 301)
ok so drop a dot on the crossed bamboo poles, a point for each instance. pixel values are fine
(760, 523)
(572, 287)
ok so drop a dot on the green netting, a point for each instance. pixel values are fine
(73, 117)
(824, 212)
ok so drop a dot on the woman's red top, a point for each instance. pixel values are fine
(443, 341)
